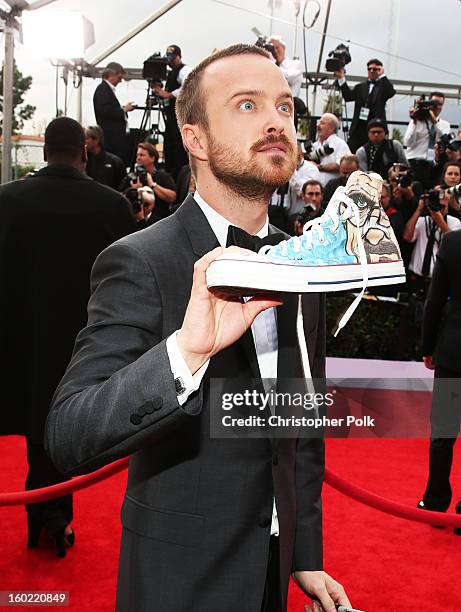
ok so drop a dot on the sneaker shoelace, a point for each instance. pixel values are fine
(316, 225)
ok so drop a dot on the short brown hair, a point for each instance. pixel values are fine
(190, 104)
(151, 150)
(313, 183)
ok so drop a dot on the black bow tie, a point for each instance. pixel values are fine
(241, 238)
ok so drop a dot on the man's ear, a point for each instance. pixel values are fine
(195, 141)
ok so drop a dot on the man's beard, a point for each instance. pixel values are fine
(252, 179)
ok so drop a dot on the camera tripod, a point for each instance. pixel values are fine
(149, 128)
(331, 91)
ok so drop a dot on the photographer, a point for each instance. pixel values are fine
(291, 68)
(142, 202)
(451, 176)
(146, 174)
(405, 191)
(423, 132)
(312, 192)
(305, 171)
(426, 233)
(380, 152)
(175, 154)
(370, 99)
(329, 148)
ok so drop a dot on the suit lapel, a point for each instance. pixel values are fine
(202, 240)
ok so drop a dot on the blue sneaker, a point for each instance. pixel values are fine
(351, 246)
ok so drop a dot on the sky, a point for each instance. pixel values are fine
(376, 28)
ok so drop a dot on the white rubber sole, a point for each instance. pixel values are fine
(238, 274)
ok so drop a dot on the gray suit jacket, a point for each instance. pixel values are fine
(197, 511)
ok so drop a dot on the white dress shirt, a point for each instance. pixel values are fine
(307, 172)
(293, 72)
(420, 238)
(264, 330)
(182, 75)
(417, 137)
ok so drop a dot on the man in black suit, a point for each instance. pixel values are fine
(370, 99)
(109, 114)
(53, 225)
(208, 523)
(441, 342)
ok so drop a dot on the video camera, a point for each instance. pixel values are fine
(316, 155)
(422, 108)
(154, 68)
(339, 58)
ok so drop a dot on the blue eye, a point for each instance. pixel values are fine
(285, 107)
(247, 105)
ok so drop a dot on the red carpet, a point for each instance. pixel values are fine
(386, 564)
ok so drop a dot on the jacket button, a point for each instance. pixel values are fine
(265, 521)
(148, 408)
(275, 459)
(135, 419)
(156, 402)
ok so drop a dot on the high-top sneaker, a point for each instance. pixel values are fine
(351, 246)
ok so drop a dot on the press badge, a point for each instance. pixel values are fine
(430, 155)
(364, 112)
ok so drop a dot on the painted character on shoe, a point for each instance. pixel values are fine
(377, 234)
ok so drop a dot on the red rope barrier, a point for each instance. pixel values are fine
(63, 488)
(346, 488)
(388, 506)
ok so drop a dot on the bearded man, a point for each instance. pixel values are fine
(208, 523)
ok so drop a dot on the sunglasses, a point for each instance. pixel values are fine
(373, 69)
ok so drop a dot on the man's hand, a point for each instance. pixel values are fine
(129, 106)
(432, 116)
(428, 362)
(161, 93)
(212, 321)
(324, 588)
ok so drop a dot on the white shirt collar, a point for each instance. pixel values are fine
(220, 224)
(110, 85)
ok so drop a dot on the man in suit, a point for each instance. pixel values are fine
(441, 341)
(52, 227)
(110, 116)
(208, 523)
(370, 99)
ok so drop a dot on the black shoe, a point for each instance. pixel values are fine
(422, 506)
(63, 541)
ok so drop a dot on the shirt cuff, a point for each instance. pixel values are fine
(176, 92)
(342, 81)
(180, 369)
